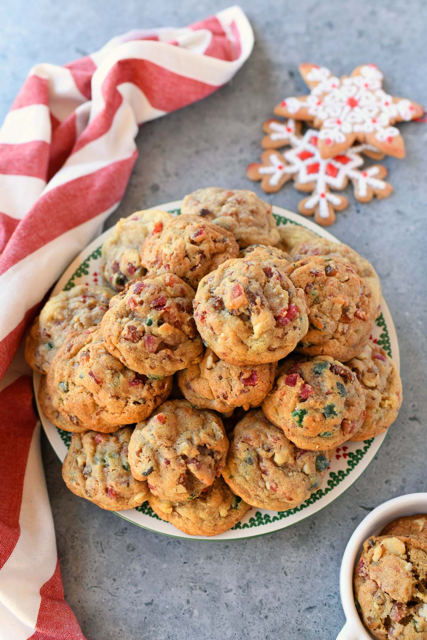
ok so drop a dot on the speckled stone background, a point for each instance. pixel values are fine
(124, 582)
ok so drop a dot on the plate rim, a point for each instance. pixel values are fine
(55, 441)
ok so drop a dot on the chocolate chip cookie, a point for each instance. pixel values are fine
(249, 218)
(190, 247)
(179, 450)
(382, 387)
(318, 402)
(249, 312)
(97, 468)
(75, 310)
(91, 387)
(214, 511)
(121, 260)
(266, 470)
(150, 326)
(214, 384)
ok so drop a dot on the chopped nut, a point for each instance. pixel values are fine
(379, 550)
(394, 546)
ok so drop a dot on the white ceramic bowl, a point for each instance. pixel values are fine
(411, 504)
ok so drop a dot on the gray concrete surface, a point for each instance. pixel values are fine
(121, 581)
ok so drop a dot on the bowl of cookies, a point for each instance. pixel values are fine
(215, 368)
(383, 579)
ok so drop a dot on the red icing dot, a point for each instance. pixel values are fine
(374, 121)
(338, 121)
(342, 159)
(323, 195)
(390, 139)
(331, 170)
(318, 103)
(280, 167)
(283, 103)
(365, 174)
(386, 104)
(313, 168)
(352, 103)
(304, 155)
(289, 129)
(411, 107)
(328, 141)
(313, 141)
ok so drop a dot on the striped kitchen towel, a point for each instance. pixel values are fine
(67, 149)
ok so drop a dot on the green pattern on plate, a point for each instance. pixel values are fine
(259, 519)
(83, 269)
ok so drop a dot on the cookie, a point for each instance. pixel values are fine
(121, 261)
(97, 468)
(410, 527)
(249, 312)
(56, 418)
(150, 327)
(190, 247)
(214, 384)
(266, 470)
(179, 450)
(349, 109)
(328, 248)
(214, 511)
(259, 252)
(89, 386)
(390, 582)
(304, 165)
(249, 218)
(382, 387)
(342, 309)
(75, 310)
(293, 234)
(318, 402)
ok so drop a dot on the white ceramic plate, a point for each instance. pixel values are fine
(348, 464)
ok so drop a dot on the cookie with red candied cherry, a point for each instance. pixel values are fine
(97, 468)
(318, 402)
(249, 312)
(150, 327)
(179, 450)
(342, 308)
(215, 384)
(90, 387)
(188, 246)
(267, 470)
(328, 248)
(390, 581)
(214, 511)
(120, 259)
(75, 310)
(249, 218)
(382, 386)
(260, 252)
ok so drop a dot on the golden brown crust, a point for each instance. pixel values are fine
(96, 468)
(190, 247)
(266, 470)
(249, 218)
(75, 310)
(342, 309)
(260, 253)
(216, 510)
(325, 247)
(292, 235)
(408, 526)
(249, 312)
(179, 450)
(121, 260)
(214, 384)
(150, 326)
(382, 387)
(89, 386)
(318, 402)
(56, 418)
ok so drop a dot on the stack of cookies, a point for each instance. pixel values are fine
(220, 366)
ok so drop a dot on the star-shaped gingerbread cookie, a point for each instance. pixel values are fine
(349, 109)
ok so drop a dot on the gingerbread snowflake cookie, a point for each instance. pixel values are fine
(349, 109)
(303, 163)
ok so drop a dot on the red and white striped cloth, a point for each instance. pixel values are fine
(67, 149)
